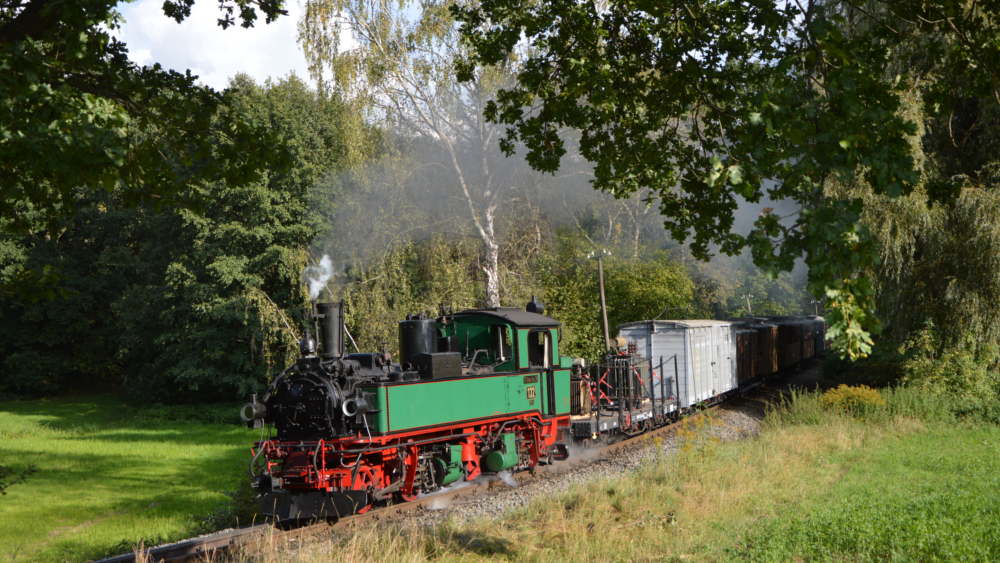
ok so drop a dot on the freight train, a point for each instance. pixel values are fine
(485, 391)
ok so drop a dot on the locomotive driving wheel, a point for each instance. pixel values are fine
(365, 482)
(403, 497)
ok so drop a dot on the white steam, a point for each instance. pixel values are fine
(317, 276)
(509, 479)
(438, 503)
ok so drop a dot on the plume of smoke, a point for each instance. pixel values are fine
(317, 276)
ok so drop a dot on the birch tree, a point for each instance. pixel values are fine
(400, 68)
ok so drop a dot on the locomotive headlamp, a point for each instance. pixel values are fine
(354, 406)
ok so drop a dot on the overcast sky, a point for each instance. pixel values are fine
(199, 44)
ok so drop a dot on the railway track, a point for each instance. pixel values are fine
(211, 546)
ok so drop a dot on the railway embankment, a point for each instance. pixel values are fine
(898, 478)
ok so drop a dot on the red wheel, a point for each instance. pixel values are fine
(403, 497)
(408, 463)
(364, 482)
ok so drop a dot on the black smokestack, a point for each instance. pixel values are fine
(332, 317)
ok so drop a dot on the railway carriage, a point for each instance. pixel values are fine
(705, 351)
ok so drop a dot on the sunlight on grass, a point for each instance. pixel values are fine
(107, 479)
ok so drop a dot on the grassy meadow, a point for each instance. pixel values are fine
(893, 482)
(110, 476)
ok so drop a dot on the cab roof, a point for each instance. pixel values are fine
(513, 315)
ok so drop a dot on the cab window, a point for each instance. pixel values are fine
(500, 340)
(540, 348)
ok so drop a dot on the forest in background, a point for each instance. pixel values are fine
(399, 178)
(205, 304)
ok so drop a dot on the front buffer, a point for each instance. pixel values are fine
(282, 506)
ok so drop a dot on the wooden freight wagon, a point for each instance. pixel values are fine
(808, 338)
(765, 361)
(789, 341)
(819, 332)
(767, 348)
(746, 353)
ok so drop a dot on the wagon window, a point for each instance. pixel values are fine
(539, 348)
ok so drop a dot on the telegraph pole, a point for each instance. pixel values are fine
(604, 308)
(748, 297)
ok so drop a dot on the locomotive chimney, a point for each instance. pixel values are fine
(332, 318)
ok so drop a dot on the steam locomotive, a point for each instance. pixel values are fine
(481, 392)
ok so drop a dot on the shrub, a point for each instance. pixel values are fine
(852, 400)
(962, 370)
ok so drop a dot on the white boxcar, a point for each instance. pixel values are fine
(706, 355)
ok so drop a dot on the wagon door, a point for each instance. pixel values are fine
(726, 359)
(703, 372)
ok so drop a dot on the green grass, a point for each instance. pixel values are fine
(109, 475)
(931, 497)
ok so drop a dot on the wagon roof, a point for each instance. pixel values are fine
(691, 323)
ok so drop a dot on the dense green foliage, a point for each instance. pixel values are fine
(76, 115)
(962, 372)
(179, 305)
(183, 306)
(936, 284)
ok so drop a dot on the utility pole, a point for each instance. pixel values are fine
(604, 308)
(748, 297)
(815, 305)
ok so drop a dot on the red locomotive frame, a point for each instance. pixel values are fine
(388, 464)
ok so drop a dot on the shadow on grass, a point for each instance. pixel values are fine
(460, 541)
(105, 412)
(100, 465)
(110, 493)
